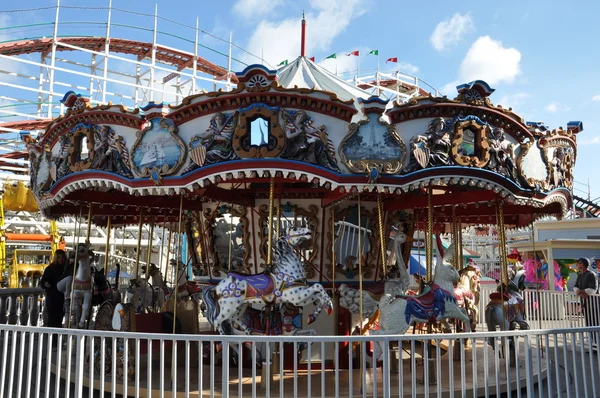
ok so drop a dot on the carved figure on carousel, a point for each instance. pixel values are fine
(111, 154)
(214, 144)
(558, 168)
(438, 302)
(431, 149)
(286, 283)
(60, 166)
(305, 142)
(502, 155)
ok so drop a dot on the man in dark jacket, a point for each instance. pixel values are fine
(586, 285)
(54, 299)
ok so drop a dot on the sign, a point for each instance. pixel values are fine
(170, 76)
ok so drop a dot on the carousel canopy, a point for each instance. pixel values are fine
(304, 73)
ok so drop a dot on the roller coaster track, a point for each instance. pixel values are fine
(142, 50)
(591, 208)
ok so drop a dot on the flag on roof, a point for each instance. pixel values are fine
(283, 63)
(391, 60)
(355, 53)
(374, 52)
(334, 56)
(312, 59)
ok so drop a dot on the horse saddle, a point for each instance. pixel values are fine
(425, 299)
(497, 296)
(258, 285)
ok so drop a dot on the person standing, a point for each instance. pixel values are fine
(586, 285)
(54, 298)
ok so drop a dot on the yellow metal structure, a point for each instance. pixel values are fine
(27, 267)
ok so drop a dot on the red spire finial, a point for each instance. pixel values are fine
(303, 39)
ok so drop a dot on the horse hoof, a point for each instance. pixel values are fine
(329, 311)
(311, 319)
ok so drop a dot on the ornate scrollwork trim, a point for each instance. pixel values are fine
(241, 136)
(482, 135)
(81, 131)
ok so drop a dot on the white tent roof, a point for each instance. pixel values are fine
(304, 73)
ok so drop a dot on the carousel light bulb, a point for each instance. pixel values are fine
(463, 181)
(472, 183)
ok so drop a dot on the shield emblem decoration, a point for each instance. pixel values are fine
(198, 152)
(421, 154)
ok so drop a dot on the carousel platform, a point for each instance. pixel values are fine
(406, 374)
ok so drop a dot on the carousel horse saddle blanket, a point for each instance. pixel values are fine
(258, 285)
(429, 305)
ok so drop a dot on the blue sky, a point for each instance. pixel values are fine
(540, 56)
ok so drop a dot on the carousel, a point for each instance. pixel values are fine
(296, 199)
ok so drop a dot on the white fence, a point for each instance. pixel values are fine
(41, 362)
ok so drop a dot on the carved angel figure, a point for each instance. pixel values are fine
(305, 142)
(431, 149)
(502, 155)
(110, 152)
(60, 166)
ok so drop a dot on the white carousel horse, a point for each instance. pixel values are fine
(82, 288)
(286, 283)
(156, 277)
(144, 296)
(350, 297)
(438, 302)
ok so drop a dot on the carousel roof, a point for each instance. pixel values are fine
(303, 73)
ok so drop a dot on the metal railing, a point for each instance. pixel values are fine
(43, 362)
(21, 306)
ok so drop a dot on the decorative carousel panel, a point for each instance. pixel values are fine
(228, 235)
(352, 239)
(559, 149)
(372, 143)
(40, 160)
(158, 150)
(81, 147)
(306, 142)
(533, 167)
(258, 133)
(291, 215)
(214, 144)
(470, 143)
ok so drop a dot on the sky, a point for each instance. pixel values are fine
(540, 56)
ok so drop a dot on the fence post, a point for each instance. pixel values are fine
(79, 360)
(529, 366)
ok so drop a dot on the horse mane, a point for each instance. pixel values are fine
(284, 253)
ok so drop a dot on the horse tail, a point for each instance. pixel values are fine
(212, 308)
(118, 266)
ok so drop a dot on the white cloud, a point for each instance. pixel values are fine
(489, 60)
(514, 100)
(450, 31)
(557, 107)
(280, 40)
(596, 98)
(591, 141)
(408, 68)
(252, 9)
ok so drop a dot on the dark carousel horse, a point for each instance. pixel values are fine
(506, 310)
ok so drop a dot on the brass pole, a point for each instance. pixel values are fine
(502, 233)
(168, 254)
(429, 243)
(106, 250)
(149, 255)
(460, 242)
(270, 222)
(230, 238)
(139, 244)
(360, 289)
(175, 278)
(455, 239)
(78, 231)
(382, 239)
(333, 247)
